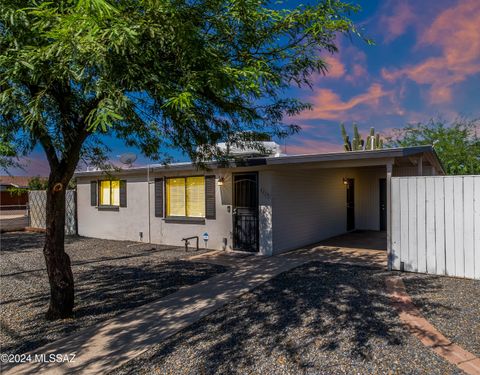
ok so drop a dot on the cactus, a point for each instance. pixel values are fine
(374, 142)
(346, 140)
(357, 143)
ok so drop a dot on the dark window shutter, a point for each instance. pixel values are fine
(123, 193)
(210, 211)
(159, 197)
(93, 193)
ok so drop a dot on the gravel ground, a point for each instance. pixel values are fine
(451, 305)
(110, 277)
(316, 319)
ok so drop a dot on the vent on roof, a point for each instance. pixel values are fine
(263, 148)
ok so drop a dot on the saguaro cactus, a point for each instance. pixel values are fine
(347, 145)
(358, 143)
(374, 142)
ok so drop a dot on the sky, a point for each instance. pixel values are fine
(425, 63)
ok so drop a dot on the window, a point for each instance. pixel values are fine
(109, 193)
(186, 196)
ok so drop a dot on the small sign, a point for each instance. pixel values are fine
(205, 236)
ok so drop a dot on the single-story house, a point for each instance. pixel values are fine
(9, 200)
(266, 205)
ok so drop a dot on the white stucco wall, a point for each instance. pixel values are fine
(128, 222)
(125, 224)
(297, 207)
(308, 206)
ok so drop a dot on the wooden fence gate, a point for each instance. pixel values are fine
(436, 225)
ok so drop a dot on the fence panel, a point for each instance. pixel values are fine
(38, 202)
(436, 225)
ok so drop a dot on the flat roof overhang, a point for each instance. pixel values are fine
(356, 158)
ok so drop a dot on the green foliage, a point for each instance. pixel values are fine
(358, 144)
(7, 156)
(153, 73)
(457, 143)
(37, 183)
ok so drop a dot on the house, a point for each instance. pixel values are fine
(263, 204)
(8, 200)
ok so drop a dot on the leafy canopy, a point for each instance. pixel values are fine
(181, 73)
(457, 143)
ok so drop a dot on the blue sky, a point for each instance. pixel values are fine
(425, 63)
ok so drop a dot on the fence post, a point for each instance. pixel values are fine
(75, 213)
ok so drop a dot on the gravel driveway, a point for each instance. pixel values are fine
(316, 319)
(110, 277)
(452, 305)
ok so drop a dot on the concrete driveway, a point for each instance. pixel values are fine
(367, 248)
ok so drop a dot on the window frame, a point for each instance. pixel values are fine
(108, 207)
(183, 219)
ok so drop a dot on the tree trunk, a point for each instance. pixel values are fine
(59, 269)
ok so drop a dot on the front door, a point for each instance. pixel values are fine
(383, 204)
(245, 212)
(350, 204)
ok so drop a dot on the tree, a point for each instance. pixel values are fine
(37, 183)
(183, 73)
(457, 143)
(7, 156)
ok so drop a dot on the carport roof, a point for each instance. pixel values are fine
(401, 152)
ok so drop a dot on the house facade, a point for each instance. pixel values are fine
(265, 205)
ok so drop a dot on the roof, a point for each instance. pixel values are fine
(293, 159)
(17, 181)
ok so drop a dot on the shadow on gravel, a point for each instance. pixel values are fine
(18, 241)
(101, 292)
(316, 318)
(452, 305)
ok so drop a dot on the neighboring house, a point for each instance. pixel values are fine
(264, 204)
(8, 200)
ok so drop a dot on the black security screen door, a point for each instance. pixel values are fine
(245, 212)
(350, 204)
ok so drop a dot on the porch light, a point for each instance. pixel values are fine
(345, 181)
(221, 181)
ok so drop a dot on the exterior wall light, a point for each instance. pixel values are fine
(345, 181)
(220, 181)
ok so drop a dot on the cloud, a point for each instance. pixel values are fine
(310, 146)
(328, 105)
(396, 18)
(336, 69)
(455, 32)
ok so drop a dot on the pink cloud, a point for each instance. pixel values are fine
(455, 32)
(310, 146)
(336, 68)
(397, 17)
(328, 105)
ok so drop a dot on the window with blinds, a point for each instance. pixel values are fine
(185, 196)
(109, 193)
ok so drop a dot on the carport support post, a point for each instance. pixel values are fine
(420, 166)
(389, 214)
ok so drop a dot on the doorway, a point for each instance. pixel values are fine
(350, 204)
(245, 212)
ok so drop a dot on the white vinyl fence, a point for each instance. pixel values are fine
(436, 225)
